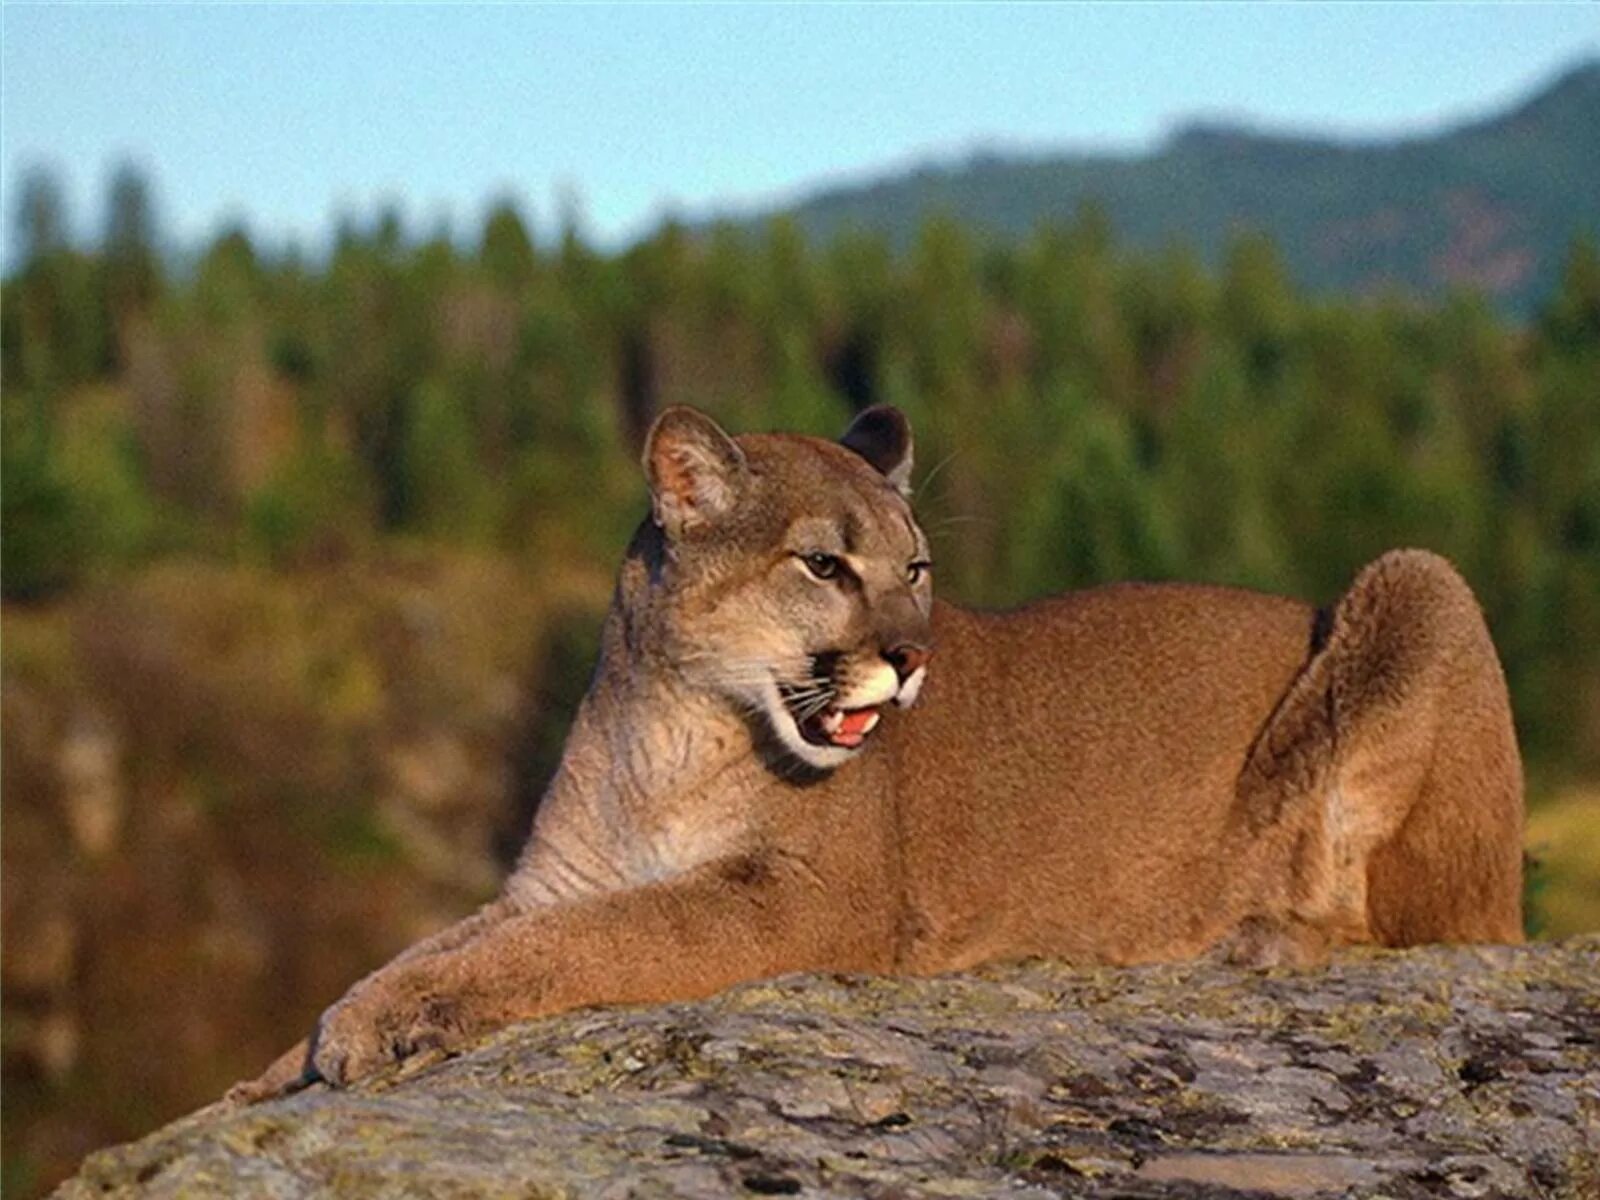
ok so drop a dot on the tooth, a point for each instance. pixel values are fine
(870, 724)
(832, 720)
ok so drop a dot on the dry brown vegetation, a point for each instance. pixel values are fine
(229, 793)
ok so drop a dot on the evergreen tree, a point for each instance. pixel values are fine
(41, 217)
(1571, 321)
(57, 331)
(130, 256)
(506, 250)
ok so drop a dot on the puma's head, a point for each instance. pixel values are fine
(793, 579)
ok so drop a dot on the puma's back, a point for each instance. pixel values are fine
(1135, 772)
(1068, 772)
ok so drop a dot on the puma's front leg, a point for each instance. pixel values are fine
(292, 1070)
(722, 923)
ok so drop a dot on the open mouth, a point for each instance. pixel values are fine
(846, 727)
(824, 724)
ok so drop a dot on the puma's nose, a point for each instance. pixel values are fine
(907, 658)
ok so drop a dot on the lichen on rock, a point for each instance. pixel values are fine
(1440, 1072)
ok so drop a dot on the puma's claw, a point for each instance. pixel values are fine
(368, 1033)
(345, 1049)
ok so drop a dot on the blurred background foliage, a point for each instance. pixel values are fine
(304, 557)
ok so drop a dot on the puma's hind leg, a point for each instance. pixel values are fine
(1452, 872)
(1389, 774)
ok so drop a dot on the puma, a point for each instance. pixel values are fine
(792, 758)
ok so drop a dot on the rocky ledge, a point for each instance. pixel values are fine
(1444, 1072)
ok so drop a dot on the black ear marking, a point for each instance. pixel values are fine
(694, 469)
(882, 436)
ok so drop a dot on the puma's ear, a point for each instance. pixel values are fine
(882, 436)
(694, 470)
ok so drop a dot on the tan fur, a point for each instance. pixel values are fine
(1127, 774)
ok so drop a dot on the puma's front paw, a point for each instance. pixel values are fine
(285, 1076)
(381, 1025)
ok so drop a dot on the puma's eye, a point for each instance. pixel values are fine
(917, 571)
(823, 566)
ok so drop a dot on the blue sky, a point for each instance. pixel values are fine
(290, 115)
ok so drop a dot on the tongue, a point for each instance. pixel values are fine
(854, 727)
(855, 724)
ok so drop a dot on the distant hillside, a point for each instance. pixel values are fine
(1490, 205)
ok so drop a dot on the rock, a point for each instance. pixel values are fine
(1441, 1072)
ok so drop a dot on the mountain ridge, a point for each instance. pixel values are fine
(1489, 204)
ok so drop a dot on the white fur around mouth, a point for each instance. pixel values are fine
(824, 756)
(911, 688)
(831, 736)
